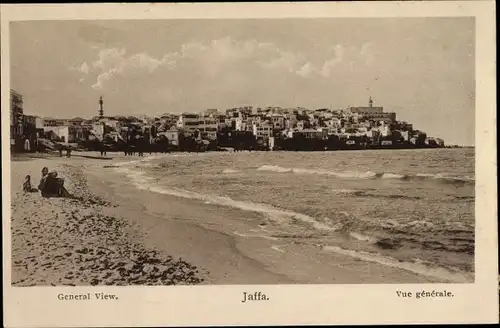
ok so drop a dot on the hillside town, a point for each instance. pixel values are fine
(242, 128)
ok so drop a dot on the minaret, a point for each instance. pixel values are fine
(101, 110)
(370, 102)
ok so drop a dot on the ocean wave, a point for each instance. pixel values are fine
(345, 174)
(366, 193)
(229, 171)
(374, 194)
(236, 233)
(466, 198)
(361, 237)
(393, 224)
(274, 168)
(371, 175)
(348, 192)
(144, 182)
(415, 267)
(392, 176)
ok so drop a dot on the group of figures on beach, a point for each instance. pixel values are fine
(50, 185)
(131, 152)
(126, 152)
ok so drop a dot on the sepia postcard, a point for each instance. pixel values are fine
(249, 164)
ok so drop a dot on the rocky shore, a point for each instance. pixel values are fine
(74, 241)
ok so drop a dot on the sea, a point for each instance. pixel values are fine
(412, 209)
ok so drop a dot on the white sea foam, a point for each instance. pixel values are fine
(418, 268)
(143, 182)
(278, 249)
(274, 168)
(345, 174)
(392, 176)
(363, 175)
(361, 237)
(254, 236)
(425, 175)
(345, 191)
(229, 171)
(445, 176)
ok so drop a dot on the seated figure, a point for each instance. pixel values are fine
(27, 185)
(51, 185)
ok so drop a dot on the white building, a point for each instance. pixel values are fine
(65, 133)
(278, 121)
(98, 130)
(385, 131)
(263, 130)
(188, 122)
(240, 124)
(207, 126)
(111, 122)
(172, 135)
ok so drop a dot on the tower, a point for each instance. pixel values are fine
(101, 110)
(370, 102)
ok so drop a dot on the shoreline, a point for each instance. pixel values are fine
(75, 242)
(94, 154)
(165, 224)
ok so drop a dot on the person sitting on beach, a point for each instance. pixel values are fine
(51, 185)
(27, 185)
(41, 185)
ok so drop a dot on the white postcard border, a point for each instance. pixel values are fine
(289, 304)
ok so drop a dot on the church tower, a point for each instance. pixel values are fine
(370, 102)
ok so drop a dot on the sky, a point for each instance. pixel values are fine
(421, 68)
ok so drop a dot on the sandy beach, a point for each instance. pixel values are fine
(115, 234)
(64, 241)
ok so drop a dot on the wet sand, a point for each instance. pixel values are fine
(121, 235)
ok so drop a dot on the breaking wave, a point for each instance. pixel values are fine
(417, 267)
(229, 171)
(345, 174)
(440, 177)
(143, 182)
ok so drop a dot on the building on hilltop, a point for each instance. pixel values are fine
(211, 111)
(373, 113)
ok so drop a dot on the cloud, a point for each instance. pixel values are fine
(329, 64)
(307, 70)
(83, 68)
(348, 57)
(109, 58)
(114, 62)
(216, 58)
